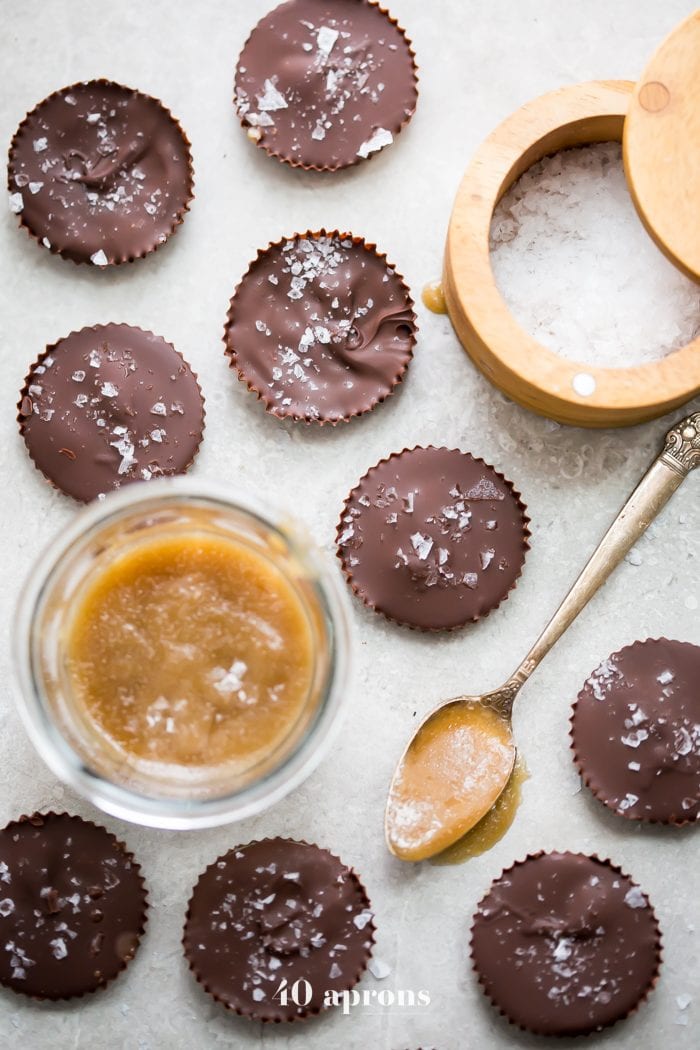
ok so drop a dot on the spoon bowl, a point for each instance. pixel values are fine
(452, 773)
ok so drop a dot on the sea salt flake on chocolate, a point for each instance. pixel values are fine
(326, 38)
(377, 141)
(40, 145)
(109, 390)
(159, 409)
(271, 100)
(484, 490)
(7, 906)
(16, 202)
(362, 919)
(683, 742)
(634, 898)
(635, 739)
(628, 801)
(665, 677)
(421, 544)
(59, 948)
(99, 258)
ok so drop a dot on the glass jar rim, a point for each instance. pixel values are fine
(117, 799)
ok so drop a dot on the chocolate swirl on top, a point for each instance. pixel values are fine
(275, 911)
(100, 173)
(321, 327)
(565, 944)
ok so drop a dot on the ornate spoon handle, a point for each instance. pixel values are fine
(681, 455)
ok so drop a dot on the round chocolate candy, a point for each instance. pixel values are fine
(635, 732)
(100, 173)
(565, 944)
(72, 906)
(277, 928)
(433, 538)
(107, 406)
(324, 84)
(321, 327)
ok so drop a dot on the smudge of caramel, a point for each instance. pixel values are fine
(434, 298)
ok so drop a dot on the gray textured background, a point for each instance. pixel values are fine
(479, 61)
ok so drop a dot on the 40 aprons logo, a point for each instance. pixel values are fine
(301, 992)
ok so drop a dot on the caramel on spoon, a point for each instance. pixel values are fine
(462, 755)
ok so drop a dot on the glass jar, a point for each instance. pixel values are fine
(71, 743)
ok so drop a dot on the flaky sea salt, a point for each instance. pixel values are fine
(271, 99)
(378, 968)
(634, 898)
(326, 38)
(99, 258)
(59, 948)
(578, 270)
(628, 801)
(362, 918)
(421, 544)
(16, 202)
(377, 141)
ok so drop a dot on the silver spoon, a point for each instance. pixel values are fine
(461, 757)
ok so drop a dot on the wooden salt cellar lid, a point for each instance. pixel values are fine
(661, 146)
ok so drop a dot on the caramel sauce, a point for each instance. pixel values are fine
(491, 828)
(191, 650)
(434, 298)
(452, 774)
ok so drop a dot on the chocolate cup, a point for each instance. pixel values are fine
(595, 787)
(260, 1015)
(371, 604)
(48, 351)
(329, 168)
(658, 953)
(269, 403)
(157, 242)
(136, 867)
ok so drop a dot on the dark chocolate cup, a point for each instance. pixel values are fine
(593, 784)
(158, 241)
(118, 845)
(329, 168)
(47, 352)
(644, 996)
(260, 1015)
(269, 404)
(367, 600)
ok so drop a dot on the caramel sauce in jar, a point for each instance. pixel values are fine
(191, 650)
